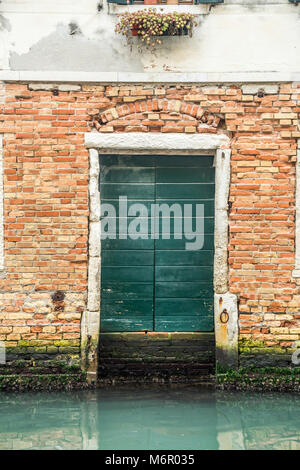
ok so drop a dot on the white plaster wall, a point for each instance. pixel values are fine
(237, 36)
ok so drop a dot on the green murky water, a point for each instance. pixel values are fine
(139, 419)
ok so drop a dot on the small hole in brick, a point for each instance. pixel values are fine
(58, 296)
(261, 93)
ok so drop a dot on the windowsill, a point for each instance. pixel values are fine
(115, 9)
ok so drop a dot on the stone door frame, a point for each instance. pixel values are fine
(225, 303)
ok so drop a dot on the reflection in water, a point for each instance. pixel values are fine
(139, 419)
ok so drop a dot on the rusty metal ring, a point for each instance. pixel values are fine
(224, 317)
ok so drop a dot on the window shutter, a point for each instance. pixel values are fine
(198, 2)
(121, 2)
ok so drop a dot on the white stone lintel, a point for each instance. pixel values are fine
(155, 141)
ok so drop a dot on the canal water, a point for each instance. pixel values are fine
(167, 419)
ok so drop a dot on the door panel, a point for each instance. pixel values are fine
(192, 323)
(183, 273)
(191, 175)
(183, 278)
(180, 244)
(112, 290)
(128, 273)
(206, 227)
(125, 258)
(157, 284)
(127, 265)
(128, 244)
(127, 175)
(183, 258)
(127, 315)
(131, 190)
(209, 204)
(184, 191)
(189, 290)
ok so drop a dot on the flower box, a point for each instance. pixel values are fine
(150, 25)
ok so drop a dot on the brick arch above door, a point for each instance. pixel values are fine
(158, 115)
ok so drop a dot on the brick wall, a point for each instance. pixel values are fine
(43, 288)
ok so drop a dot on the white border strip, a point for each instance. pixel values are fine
(221, 220)
(296, 272)
(148, 77)
(90, 323)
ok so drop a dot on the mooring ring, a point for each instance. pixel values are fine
(224, 317)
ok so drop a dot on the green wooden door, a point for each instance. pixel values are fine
(153, 282)
(127, 272)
